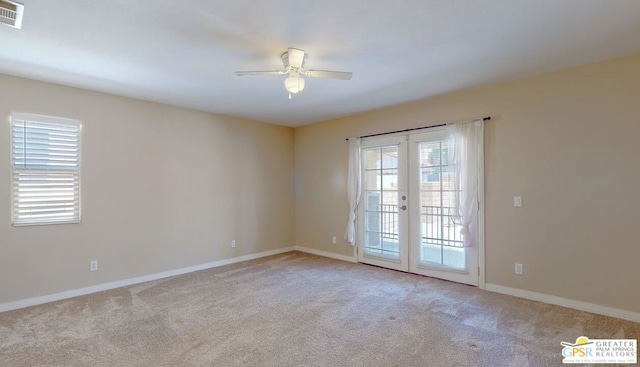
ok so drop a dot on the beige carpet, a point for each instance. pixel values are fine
(296, 309)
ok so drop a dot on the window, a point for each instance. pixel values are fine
(45, 162)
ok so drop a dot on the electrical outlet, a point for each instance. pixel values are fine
(517, 201)
(335, 240)
(93, 265)
(519, 269)
(233, 243)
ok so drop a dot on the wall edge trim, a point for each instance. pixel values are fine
(565, 302)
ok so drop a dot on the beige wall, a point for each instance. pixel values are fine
(162, 188)
(567, 142)
(165, 187)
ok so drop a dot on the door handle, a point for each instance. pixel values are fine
(404, 207)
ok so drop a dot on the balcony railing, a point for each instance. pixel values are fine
(438, 226)
(389, 221)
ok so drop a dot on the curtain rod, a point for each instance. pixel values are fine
(415, 128)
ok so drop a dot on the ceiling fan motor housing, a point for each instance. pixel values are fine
(285, 60)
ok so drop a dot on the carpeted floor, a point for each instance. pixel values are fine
(296, 309)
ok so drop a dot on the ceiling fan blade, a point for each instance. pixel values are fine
(329, 74)
(275, 72)
(296, 57)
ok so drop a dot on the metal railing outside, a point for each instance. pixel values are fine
(389, 221)
(439, 227)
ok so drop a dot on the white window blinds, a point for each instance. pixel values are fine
(45, 161)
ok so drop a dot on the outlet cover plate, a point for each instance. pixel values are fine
(519, 269)
(517, 201)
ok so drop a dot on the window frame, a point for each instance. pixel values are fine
(16, 118)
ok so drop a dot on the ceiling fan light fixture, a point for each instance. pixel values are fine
(294, 84)
(293, 61)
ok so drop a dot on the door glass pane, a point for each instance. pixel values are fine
(373, 180)
(381, 202)
(389, 157)
(440, 239)
(372, 158)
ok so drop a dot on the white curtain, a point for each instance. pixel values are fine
(353, 188)
(466, 160)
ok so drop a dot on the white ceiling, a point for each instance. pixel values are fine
(185, 52)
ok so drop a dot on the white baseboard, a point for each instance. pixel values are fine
(534, 296)
(313, 251)
(8, 306)
(566, 302)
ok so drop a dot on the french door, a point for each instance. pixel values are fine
(406, 219)
(384, 226)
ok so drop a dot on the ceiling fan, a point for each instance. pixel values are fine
(293, 61)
